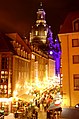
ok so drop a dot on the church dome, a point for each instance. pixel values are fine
(39, 30)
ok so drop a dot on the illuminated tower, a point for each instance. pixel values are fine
(42, 36)
(40, 30)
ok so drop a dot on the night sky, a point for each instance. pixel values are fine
(19, 15)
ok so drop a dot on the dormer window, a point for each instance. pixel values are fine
(36, 33)
(41, 16)
(76, 25)
(18, 51)
(33, 56)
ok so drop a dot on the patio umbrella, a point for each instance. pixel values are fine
(54, 107)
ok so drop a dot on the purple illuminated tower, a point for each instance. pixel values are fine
(42, 36)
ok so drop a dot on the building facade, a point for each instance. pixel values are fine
(22, 68)
(27, 67)
(69, 38)
(14, 65)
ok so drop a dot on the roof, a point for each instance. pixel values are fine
(5, 44)
(17, 38)
(67, 27)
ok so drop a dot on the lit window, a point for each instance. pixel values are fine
(33, 56)
(18, 51)
(76, 81)
(4, 77)
(24, 54)
(76, 25)
(36, 33)
(75, 42)
(76, 59)
(3, 89)
(42, 16)
(21, 52)
(45, 33)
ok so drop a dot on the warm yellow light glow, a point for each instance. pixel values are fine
(10, 99)
(5, 99)
(27, 92)
(41, 86)
(15, 93)
(2, 72)
(33, 56)
(36, 33)
(40, 21)
(46, 33)
(17, 85)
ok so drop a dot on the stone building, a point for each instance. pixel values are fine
(21, 66)
(69, 38)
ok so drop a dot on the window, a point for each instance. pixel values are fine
(36, 33)
(33, 56)
(3, 89)
(45, 33)
(76, 81)
(41, 16)
(76, 59)
(75, 42)
(4, 77)
(4, 63)
(18, 51)
(76, 25)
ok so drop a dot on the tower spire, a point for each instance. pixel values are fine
(41, 15)
(40, 4)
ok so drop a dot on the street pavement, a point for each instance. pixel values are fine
(42, 115)
(70, 113)
(67, 113)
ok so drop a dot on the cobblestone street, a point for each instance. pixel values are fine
(42, 115)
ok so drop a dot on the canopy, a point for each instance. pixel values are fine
(54, 107)
(26, 97)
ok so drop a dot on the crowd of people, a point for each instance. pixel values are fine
(40, 103)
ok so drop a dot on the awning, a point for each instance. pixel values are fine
(54, 107)
(26, 97)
